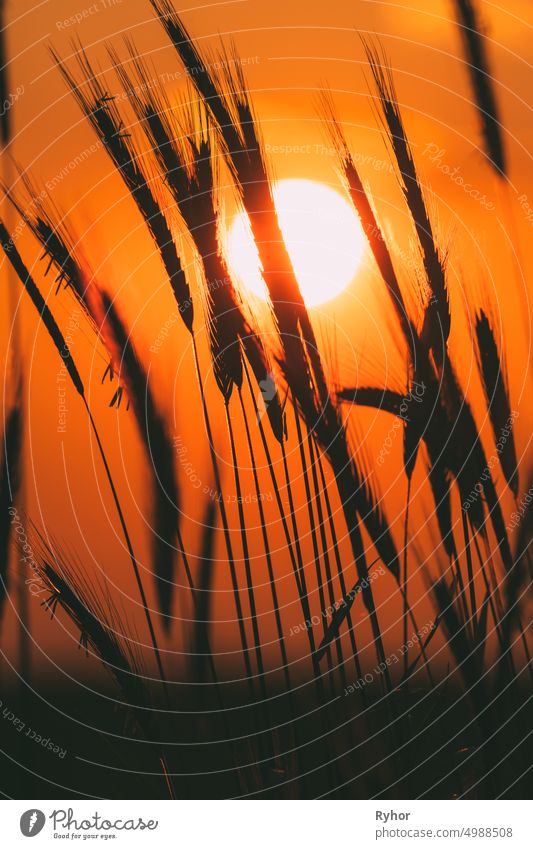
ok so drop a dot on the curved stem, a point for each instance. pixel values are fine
(404, 577)
(224, 518)
(266, 545)
(246, 556)
(128, 544)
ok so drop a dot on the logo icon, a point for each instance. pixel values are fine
(32, 822)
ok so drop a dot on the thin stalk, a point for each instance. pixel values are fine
(325, 551)
(210, 659)
(128, 544)
(296, 559)
(424, 656)
(194, 595)
(340, 570)
(404, 577)
(54, 332)
(272, 580)
(496, 615)
(462, 590)
(224, 518)
(15, 357)
(274, 482)
(266, 545)
(246, 557)
(314, 540)
(345, 485)
(168, 779)
(301, 571)
(473, 604)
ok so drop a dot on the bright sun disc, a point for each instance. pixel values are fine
(323, 237)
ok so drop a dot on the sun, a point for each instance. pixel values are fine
(323, 235)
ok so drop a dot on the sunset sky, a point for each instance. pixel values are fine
(291, 52)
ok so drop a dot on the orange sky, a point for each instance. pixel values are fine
(293, 49)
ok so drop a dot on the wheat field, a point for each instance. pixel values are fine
(252, 547)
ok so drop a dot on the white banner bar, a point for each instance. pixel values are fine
(267, 824)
